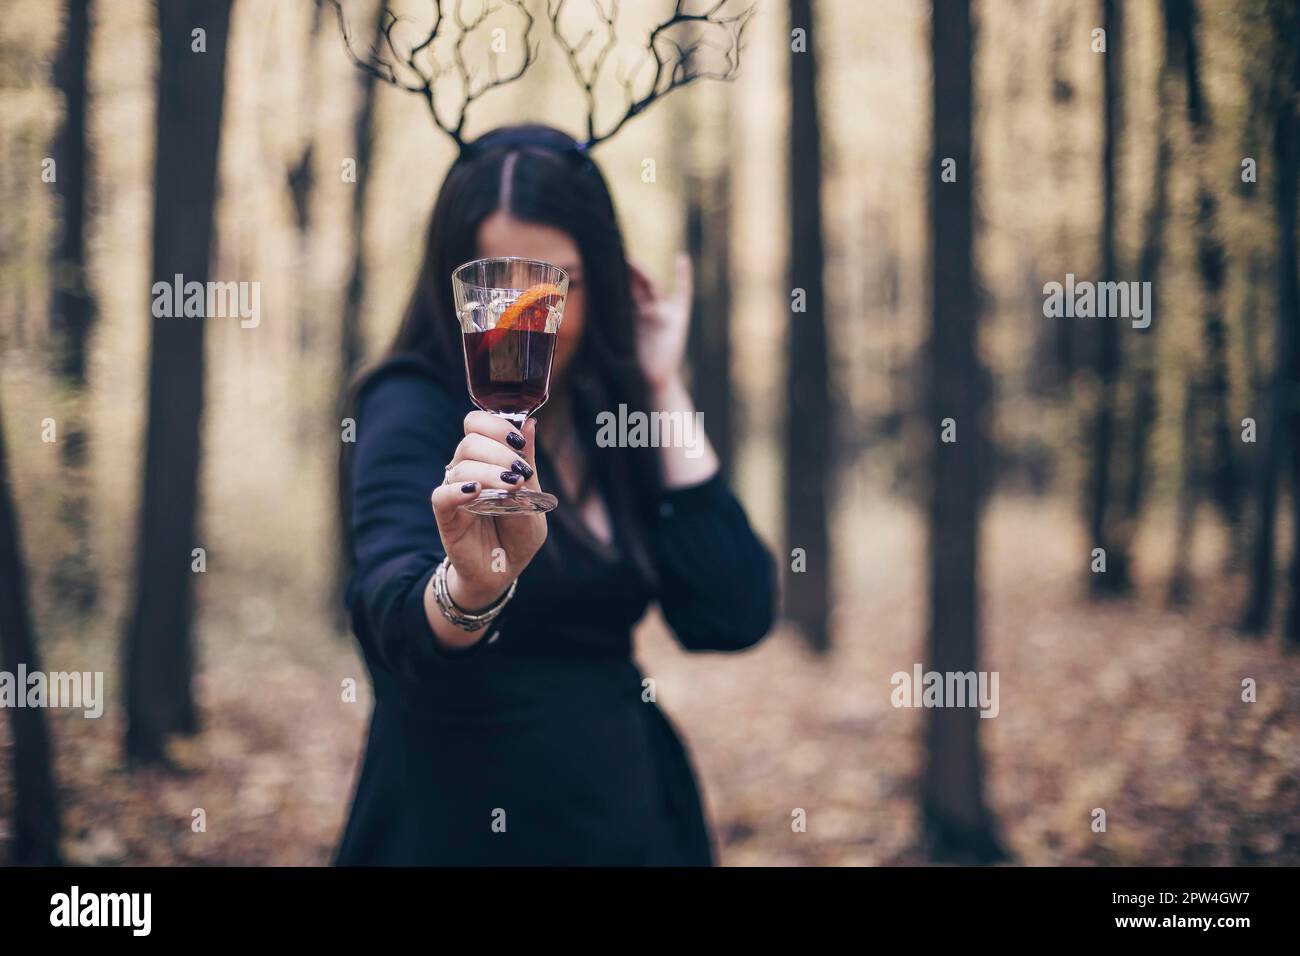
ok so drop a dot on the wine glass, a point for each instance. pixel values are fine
(510, 310)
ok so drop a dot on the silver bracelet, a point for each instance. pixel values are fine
(457, 615)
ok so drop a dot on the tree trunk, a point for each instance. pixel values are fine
(351, 344)
(808, 464)
(1279, 426)
(72, 312)
(71, 307)
(1180, 582)
(708, 241)
(1101, 520)
(1211, 261)
(1145, 408)
(1259, 602)
(1065, 359)
(1286, 154)
(957, 826)
(301, 180)
(36, 808)
(1225, 483)
(159, 651)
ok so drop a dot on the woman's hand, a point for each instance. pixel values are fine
(491, 455)
(662, 323)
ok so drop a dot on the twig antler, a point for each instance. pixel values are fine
(675, 64)
(421, 60)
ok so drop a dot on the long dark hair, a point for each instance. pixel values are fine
(553, 182)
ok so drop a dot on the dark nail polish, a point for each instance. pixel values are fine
(515, 441)
(469, 486)
(521, 468)
(509, 477)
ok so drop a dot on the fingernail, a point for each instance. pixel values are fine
(469, 486)
(521, 468)
(509, 477)
(515, 441)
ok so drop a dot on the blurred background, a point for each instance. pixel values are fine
(850, 298)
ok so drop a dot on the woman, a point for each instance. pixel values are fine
(533, 740)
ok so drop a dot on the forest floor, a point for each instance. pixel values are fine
(1125, 706)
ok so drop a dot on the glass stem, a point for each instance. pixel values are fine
(514, 419)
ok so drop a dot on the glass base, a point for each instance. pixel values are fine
(498, 502)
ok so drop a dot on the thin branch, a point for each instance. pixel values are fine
(419, 69)
(587, 80)
(674, 64)
(495, 81)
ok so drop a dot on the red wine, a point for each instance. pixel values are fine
(509, 369)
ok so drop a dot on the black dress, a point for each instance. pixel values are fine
(536, 746)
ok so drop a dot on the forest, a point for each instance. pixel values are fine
(996, 330)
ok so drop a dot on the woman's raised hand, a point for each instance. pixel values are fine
(487, 553)
(662, 322)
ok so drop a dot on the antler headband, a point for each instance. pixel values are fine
(673, 64)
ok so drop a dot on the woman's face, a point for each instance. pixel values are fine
(502, 235)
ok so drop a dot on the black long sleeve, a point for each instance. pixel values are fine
(407, 431)
(718, 589)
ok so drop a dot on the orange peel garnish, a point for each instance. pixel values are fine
(530, 307)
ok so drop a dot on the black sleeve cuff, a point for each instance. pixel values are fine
(693, 498)
(415, 624)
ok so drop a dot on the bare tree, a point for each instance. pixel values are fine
(1208, 385)
(72, 309)
(351, 345)
(1279, 423)
(1150, 262)
(1063, 328)
(1103, 445)
(72, 312)
(300, 178)
(807, 466)
(159, 647)
(1262, 546)
(956, 822)
(708, 241)
(36, 810)
(1286, 158)
(1211, 262)
(1180, 579)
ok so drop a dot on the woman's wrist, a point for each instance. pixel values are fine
(451, 604)
(670, 395)
(474, 595)
(693, 461)
(446, 634)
